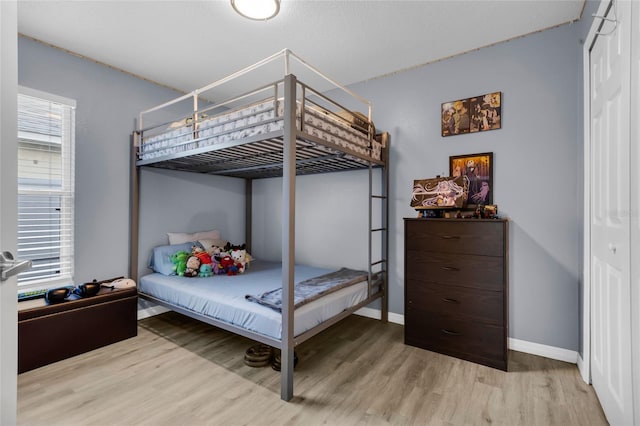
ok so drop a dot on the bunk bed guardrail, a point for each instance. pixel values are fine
(301, 130)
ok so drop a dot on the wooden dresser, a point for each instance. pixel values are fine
(456, 288)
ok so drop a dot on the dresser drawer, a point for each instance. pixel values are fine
(452, 236)
(484, 272)
(477, 342)
(455, 302)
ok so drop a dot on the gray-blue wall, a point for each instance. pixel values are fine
(536, 181)
(537, 172)
(108, 102)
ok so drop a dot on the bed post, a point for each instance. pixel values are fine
(248, 194)
(134, 211)
(288, 235)
(385, 234)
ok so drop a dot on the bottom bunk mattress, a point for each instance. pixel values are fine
(223, 297)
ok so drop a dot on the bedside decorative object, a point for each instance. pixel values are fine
(438, 193)
(477, 170)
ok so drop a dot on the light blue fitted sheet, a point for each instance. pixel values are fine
(223, 297)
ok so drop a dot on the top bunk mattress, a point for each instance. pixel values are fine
(223, 297)
(256, 119)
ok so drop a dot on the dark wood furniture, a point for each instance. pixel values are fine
(456, 288)
(50, 333)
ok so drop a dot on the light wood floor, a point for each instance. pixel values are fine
(178, 371)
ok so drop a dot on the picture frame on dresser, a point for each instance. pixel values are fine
(477, 169)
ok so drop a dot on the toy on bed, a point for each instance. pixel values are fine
(179, 260)
(207, 259)
(228, 266)
(206, 270)
(239, 256)
(200, 253)
(193, 267)
(214, 248)
(199, 263)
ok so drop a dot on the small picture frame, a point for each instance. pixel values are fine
(477, 170)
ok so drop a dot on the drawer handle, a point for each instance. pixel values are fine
(450, 268)
(450, 333)
(450, 237)
(447, 300)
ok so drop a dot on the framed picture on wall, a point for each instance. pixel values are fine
(455, 117)
(477, 170)
(476, 114)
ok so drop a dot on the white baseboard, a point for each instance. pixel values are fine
(514, 344)
(151, 311)
(552, 352)
(583, 372)
(376, 314)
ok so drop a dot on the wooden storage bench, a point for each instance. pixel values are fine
(50, 333)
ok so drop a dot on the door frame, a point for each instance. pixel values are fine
(8, 209)
(584, 362)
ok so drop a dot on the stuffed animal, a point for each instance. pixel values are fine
(200, 253)
(240, 259)
(179, 261)
(217, 269)
(193, 265)
(205, 270)
(228, 265)
(212, 249)
(230, 247)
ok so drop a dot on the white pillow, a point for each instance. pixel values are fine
(183, 237)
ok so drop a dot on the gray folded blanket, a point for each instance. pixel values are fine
(311, 289)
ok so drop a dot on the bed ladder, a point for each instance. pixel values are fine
(381, 276)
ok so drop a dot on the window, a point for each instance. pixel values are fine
(46, 139)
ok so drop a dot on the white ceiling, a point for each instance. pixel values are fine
(188, 44)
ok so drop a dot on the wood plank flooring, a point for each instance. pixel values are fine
(178, 371)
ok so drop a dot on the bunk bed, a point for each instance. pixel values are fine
(282, 129)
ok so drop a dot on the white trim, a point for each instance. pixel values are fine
(34, 93)
(552, 352)
(376, 314)
(586, 376)
(151, 311)
(585, 366)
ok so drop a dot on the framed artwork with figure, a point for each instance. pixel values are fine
(477, 171)
(475, 114)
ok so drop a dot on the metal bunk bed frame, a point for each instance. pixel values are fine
(290, 137)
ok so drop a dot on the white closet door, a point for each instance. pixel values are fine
(635, 203)
(610, 224)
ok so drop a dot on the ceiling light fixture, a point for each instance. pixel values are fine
(258, 10)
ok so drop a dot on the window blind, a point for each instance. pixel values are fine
(46, 139)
